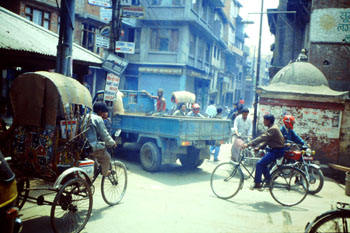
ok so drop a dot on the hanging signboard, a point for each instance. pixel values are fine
(114, 64)
(102, 3)
(133, 12)
(124, 47)
(111, 88)
(105, 14)
(102, 42)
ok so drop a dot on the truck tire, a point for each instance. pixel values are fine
(150, 157)
(191, 159)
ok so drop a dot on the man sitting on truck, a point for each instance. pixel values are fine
(182, 111)
(195, 111)
(99, 138)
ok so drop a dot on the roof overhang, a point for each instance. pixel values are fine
(302, 92)
(18, 34)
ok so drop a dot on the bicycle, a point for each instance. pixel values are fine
(76, 193)
(331, 221)
(288, 185)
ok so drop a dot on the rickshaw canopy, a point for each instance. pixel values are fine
(38, 97)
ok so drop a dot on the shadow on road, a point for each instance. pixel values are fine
(33, 224)
(170, 174)
(265, 207)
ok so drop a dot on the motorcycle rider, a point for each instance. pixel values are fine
(288, 132)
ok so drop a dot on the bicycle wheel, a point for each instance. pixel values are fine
(72, 206)
(113, 187)
(288, 186)
(335, 221)
(226, 180)
(316, 179)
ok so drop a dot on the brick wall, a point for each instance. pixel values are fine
(334, 61)
(332, 58)
(325, 123)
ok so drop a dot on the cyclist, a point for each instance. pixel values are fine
(275, 140)
(288, 132)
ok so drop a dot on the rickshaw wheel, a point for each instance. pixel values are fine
(72, 206)
(113, 187)
(23, 191)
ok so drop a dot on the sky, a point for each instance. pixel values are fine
(252, 30)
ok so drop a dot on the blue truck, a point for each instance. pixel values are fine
(163, 138)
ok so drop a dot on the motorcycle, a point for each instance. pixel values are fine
(9, 217)
(302, 157)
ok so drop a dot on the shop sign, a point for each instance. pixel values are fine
(171, 71)
(102, 41)
(115, 64)
(124, 47)
(105, 14)
(111, 88)
(102, 3)
(133, 12)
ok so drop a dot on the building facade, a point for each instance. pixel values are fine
(187, 45)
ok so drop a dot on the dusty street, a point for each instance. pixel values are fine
(175, 200)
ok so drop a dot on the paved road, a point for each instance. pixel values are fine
(175, 200)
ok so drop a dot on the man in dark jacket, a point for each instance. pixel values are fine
(275, 140)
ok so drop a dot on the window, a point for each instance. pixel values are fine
(207, 53)
(37, 16)
(192, 45)
(164, 39)
(176, 2)
(88, 36)
(201, 50)
(156, 2)
(195, 5)
(134, 36)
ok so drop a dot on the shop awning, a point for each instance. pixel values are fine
(19, 34)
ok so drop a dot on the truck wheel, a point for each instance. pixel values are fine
(150, 157)
(191, 159)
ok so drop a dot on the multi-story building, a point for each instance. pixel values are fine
(187, 45)
(179, 45)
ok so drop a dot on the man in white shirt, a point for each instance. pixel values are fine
(242, 128)
(211, 110)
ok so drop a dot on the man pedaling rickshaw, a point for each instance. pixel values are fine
(98, 138)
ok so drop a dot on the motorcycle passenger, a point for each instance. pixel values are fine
(195, 111)
(288, 132)
(275, 140)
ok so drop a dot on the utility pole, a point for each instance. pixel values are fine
(64, 60)
(115, 25)
(257, 80)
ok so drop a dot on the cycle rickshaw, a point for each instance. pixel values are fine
(47, 141)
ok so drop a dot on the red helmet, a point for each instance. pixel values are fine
(196, 108)
(288, 121)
